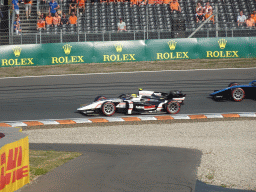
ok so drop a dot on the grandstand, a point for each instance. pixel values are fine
(152, 21)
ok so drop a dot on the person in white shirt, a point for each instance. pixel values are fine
(207, 7)
(241, 19)
(121, 26)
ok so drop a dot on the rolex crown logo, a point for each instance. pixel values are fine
(16, 51)
(222, 43)
(119, 47)
(67, 49)
(172, 45)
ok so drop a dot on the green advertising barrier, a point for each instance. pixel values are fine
(224, 48)
(171, 49)
(69, 53)
(252, 47)
(119, 51)
(127, 51)
(22, 55)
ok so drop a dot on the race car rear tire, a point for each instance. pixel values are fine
(98, 98)
(233, 84)
(238, 94)
(108, 108)
(173, 107)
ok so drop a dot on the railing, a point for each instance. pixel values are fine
(41, 38)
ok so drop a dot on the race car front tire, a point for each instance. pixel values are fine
(108, 108)
(238, 94)
(172, 107)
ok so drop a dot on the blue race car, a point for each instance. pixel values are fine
(236, 92)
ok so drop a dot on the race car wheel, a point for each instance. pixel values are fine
(172, 107)
(233, 84)
(238, 94)
(98, 98)
(108, 108)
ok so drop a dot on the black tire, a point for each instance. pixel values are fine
(173, 107)
(238, 94)
(108, 108)
(98, 98)
(232, 84)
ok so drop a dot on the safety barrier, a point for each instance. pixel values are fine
(127, 51)
(14, 154)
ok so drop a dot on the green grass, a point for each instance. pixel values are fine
(85, 68)
(41, 162)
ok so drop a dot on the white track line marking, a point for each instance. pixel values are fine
(111, 73)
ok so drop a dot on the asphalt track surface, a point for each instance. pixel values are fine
(110, 167)
(121, 168)
(57, 97)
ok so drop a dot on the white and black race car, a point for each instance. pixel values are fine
(144, 101)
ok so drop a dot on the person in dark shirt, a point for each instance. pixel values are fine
(42, 17)
(16, 26)
(64, 19)
(200, 16)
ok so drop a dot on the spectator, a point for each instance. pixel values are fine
(42, 16)
(241, 19)
(143, 2)
(16, 26)
(133, 2)
(207, 7)
(198, 7)
(72, 7)
(40, 24)
(73, 19)
(166, 2)
(53, 6)
(200, 16)
(28, 4)
(152, 2)
(250, 22)
(175, 6)
(56, 19)
(159, 1)
(49, 19)
(15, 6)
(121, 26)
(81, 6)
(207, 15)
(253, 15)
(64, 19)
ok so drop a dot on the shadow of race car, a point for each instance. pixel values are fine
(144, 102)
(236, 92)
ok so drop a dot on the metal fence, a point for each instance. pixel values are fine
(98, 22)
(40, 38)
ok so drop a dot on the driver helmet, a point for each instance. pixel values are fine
(133, 95)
